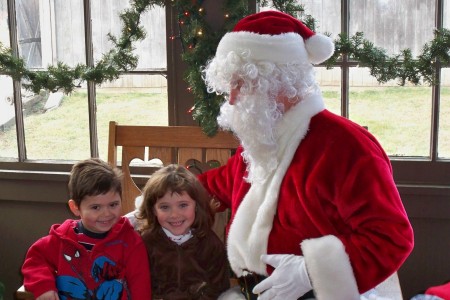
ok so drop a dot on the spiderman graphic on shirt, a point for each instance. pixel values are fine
(103, 270)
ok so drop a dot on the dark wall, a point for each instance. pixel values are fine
(30, 203)
(428, 208)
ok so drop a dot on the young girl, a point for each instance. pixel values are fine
(187, 259)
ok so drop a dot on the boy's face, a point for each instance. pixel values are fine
(98, 213)
(175, 212)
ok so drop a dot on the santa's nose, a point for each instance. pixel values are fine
(234, 96)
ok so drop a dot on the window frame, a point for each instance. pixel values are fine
(430, 170)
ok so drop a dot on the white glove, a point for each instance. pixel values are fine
(289, 280)
(372, 295)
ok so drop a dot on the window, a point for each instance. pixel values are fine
(56, 126)
(444, 116)
(401, 117)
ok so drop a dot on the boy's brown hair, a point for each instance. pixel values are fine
(176, 179)
(92, 177)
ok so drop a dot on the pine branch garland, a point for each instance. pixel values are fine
(402, 66)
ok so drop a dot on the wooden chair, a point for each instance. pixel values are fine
(185, 145)
(21, 294)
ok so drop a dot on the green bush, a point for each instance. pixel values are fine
(2, 290)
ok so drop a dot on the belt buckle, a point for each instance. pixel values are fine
(247, 287)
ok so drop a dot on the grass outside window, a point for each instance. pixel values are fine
(398, 116)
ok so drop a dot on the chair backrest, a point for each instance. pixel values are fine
(184, 145)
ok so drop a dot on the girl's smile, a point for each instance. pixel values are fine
(175, 212)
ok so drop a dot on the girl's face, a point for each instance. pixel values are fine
(175, 212)
(98, 213)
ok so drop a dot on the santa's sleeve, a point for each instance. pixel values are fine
(219, 182)
(331, 272)
(329, 269)
(376, 240)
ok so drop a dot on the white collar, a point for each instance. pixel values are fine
(179, 239)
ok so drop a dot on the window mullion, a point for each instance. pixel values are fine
(435, 106)
(345, 15)
(18, 108)
(92, 106)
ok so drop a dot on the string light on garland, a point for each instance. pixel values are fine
(199, 43)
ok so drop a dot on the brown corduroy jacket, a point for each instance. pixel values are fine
(196, 269)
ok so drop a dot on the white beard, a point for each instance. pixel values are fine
(253, 119)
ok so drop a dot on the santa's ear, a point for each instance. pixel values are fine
(74, 207)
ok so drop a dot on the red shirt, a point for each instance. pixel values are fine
(117, 266)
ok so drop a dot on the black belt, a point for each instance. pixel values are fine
(250, 280)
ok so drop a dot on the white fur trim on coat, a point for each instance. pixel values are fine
(329, 269)
(387, 290)
(252, 223)
(233, 293)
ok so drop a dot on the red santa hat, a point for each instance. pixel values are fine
(442, 291)
(276, 37)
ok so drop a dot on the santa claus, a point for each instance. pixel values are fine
(315, 211)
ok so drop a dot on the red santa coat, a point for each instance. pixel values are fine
(337, 205)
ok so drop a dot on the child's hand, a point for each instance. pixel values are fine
(50, 295)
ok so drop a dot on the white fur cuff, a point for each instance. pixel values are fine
(233, 293)
(329, 269)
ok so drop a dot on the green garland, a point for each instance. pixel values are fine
(403, 66)
(199, 43)
(62, 77)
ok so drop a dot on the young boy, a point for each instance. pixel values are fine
(99, 256)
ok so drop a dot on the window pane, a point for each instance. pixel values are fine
(151, 50)
(67, 44)
(29, 32)
(444, 116)
(327, 14)
(57, 127)
(330, 85)
(399, 117)
(394, 25)
(446, 14)
(131, 100)
(4, 27)
(43, 28)
(8, 138)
